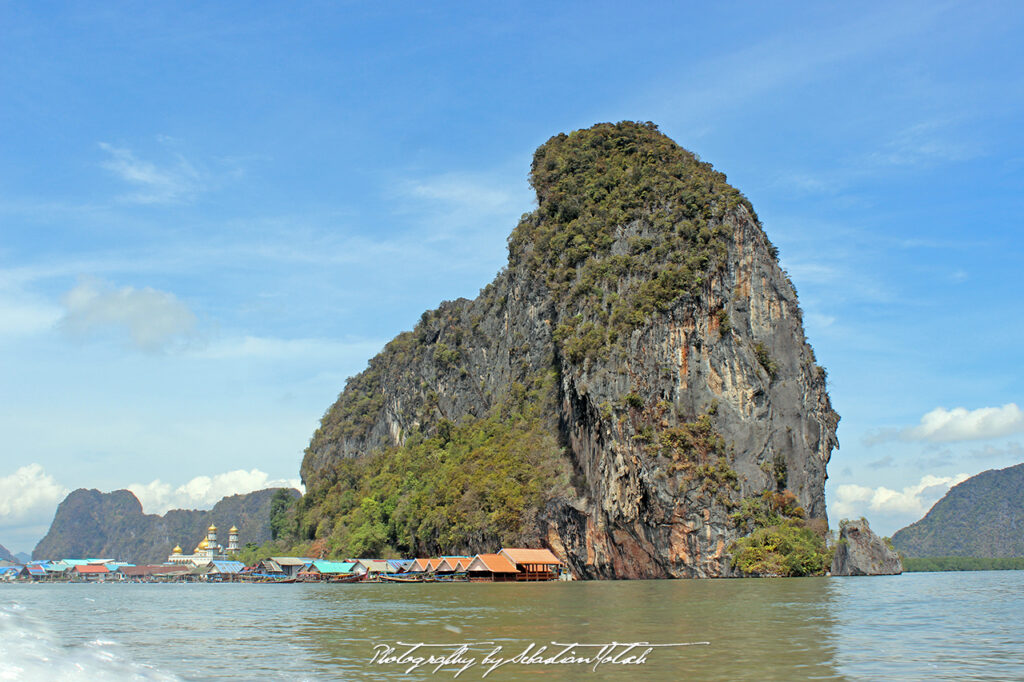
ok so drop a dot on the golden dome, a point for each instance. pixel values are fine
(205, 544)
(212, 528)
(233, 530)
(176, 550)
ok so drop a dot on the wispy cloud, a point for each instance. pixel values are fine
(1014, 451)
(715, 86)
(154, 184)
(454, 204)
(959, 424)
(461, 190)
(923, 144)
(853, 500)
(202, 492)
(256, 347)
(23, 315)
(153, 319)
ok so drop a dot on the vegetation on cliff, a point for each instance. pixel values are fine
(781, 541)
(598, 183)
(980, 517)
(477, 483)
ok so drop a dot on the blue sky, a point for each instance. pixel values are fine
(210, 216)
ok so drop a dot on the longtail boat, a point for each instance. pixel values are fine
(355, 578)
(404, 579)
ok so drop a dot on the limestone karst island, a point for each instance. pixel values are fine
(632, 396)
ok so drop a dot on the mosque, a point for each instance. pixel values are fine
(208, 550)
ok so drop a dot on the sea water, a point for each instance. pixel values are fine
(919, 626)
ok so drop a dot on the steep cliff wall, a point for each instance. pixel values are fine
(645, 306)
(89, 524)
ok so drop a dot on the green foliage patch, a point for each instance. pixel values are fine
(761, 353)
(593, 185)
(780, 541)
(476, 484)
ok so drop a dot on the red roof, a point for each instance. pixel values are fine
(530, 556)
(91, 568)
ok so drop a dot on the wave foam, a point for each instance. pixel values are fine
(30, 651)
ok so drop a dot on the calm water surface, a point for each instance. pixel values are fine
(921, 626)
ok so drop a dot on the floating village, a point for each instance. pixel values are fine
(210, 562)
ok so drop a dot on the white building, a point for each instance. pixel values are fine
(207, 550)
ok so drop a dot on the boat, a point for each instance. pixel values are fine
(354, 578)
(404, 579)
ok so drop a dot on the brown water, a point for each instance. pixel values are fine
(916, 626)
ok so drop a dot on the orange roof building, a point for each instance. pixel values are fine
(453, 564)
(533, 564)
(491, 568)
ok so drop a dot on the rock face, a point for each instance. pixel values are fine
(981, 517)
(646, 286)
(5, 555)
(861, 552)
(89, 523)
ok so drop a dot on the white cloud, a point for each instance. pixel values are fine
(960, 424)
(202, 492)
(156, 184)
(28, 491)
(28, 498)
(152, 318)
(914, 500)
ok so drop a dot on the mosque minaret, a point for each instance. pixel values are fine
(207, 550)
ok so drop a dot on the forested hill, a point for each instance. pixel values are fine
(981, 517)
(623, 392)
(89, 524)
(6, 555)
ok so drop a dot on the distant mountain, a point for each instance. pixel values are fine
(5, 555)
(981, 517)
(22, 557)
(89, 523)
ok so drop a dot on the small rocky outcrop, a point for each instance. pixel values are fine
(861, 552)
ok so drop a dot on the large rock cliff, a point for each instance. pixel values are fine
(644, 306)
(89, 524)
